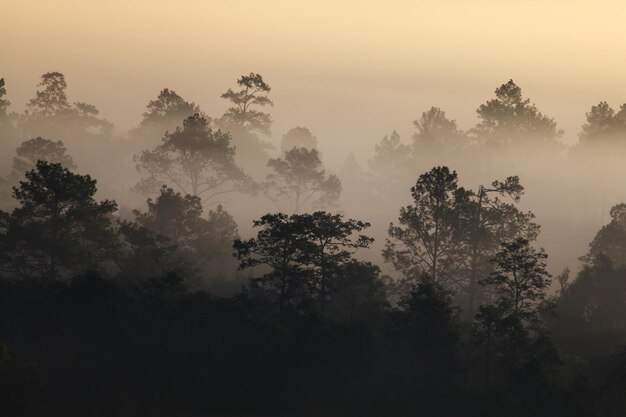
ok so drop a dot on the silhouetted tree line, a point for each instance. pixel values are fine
(104, 316)
(169, 311)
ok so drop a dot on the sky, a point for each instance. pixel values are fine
(351, 71)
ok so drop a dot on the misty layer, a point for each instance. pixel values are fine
(192, 268)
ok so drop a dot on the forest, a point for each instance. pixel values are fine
(192, 267)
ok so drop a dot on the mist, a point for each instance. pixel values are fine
(340, 208)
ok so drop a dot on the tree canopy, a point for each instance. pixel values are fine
(299, 180)
(195, 159)
(450, 234)
(58, 227)
(251, 95)
(51, 113)
(164, 114)
(4, 103)
(509, 119)
(610, 240)
(434, 132)
(304, 252)
(40, 149)
(604, 126)
(429, 238)
(298, 137)
(392, 161)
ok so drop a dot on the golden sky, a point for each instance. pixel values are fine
(351, 71)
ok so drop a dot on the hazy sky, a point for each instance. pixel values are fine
(349, 70)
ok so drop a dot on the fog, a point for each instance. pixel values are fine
(358, 59)
(205, 122)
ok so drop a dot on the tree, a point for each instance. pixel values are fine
(391, 163)
(173, 215)
(330, 246)
(492, 221)
(8, 138)
(304, 252)
(223, 230)
(603, 125)
(40, 149)
(509, 119)
(4, 103)
(195, 159)
(298, 137)
(7, 119)
(452, 233)
(429, 239)
(279, 244)
(58, 226)
(520, 280)
(592, 308)
(179, 218)
(51, 113)
(145, 254)
(51, 99)
(85, 117)
(253, 93)
(202, 242)
(592, 311)
(163, 114)
(610, 241)
(436, 133)
(299, 179)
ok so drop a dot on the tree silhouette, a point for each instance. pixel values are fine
(7, 119)
(390, 164)
(195, 159)
(253, 93)
(492, 221)
(223, 230)
(280, 244)
(50, 112)
(610, 241)
(592, 311)
(330, 246)
(179, 218)
(300, 180)
(40, 149)
(435, 133)
(144, 253)
(452, 233)
(509, 119)
(51, 99)
(304, 251)
(163, 114)
(4, 103)
(173, 215)
(429, 239)
(57, 227)
(520, 283)
(298, 137)
(520, 280)
(604, 126)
